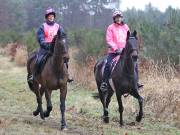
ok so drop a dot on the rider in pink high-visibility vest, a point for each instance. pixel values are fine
(116, 35)
(45, 35)
(50, 32)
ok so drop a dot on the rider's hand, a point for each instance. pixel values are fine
(47, 46)
(118, 51)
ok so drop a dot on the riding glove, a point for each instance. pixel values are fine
(118, 51)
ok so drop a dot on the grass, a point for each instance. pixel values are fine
(83, 113)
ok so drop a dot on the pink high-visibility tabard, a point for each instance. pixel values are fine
(50, 31)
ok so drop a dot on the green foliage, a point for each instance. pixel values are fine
(158, 31)
(30, 40)
(9, 37)
(89, 43)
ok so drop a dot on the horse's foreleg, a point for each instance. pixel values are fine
(121, 108)
(49, 104)
(108, 100)
(63, 92)
(103, 101)
(140, 100)
(105, 106)
(39, 101)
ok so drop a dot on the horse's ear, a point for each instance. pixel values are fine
(123, 50)
(128, 35)
(59, 33)
(135, 34)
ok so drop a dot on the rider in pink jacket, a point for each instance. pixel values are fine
(116, 35)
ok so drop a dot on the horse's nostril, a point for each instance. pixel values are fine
(135, 57)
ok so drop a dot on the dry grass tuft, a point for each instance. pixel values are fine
(21, 56)
(162, 90)
(17, 52)
(2, 51)
(83, 74)
(10, 50)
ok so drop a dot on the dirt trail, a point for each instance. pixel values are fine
(83, 113)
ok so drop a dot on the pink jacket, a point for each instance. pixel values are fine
(116, 36)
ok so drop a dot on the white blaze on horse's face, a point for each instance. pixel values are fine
(64, 41)
(133, 43)
(64, 46)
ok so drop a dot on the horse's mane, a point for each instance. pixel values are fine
(53, 43)
(54, 40)
(56, 36)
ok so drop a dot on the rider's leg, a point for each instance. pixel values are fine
(37, 65)
(106, 74)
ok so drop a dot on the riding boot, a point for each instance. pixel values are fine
(70, 79)
(35, 73)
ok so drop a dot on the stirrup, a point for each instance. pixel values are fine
(140, 85)
(30, 78)
(126, 95)
(70, 80)
(104, 87)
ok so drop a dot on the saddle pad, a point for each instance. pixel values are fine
(113, 64)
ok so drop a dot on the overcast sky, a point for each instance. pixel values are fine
(140, 4)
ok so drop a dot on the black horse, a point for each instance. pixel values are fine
(122, 80)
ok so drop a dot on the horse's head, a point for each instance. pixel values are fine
(132, 46)
(60, 44)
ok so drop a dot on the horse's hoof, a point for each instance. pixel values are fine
(64, 128)
(35, 113)
(49, 108)
(131, 123)
(138, 118)
(46, 114)
(121, 124)
(106, 119)
(42, 116)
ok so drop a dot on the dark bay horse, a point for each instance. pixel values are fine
(53, 76)
(122, 79)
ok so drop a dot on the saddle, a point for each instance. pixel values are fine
(113, 64)
(42, 63)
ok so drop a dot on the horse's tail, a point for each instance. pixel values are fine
(95, 95)
(30, 86)
(95, 67)
(29, 61)
(98, 63)
(98, 66)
